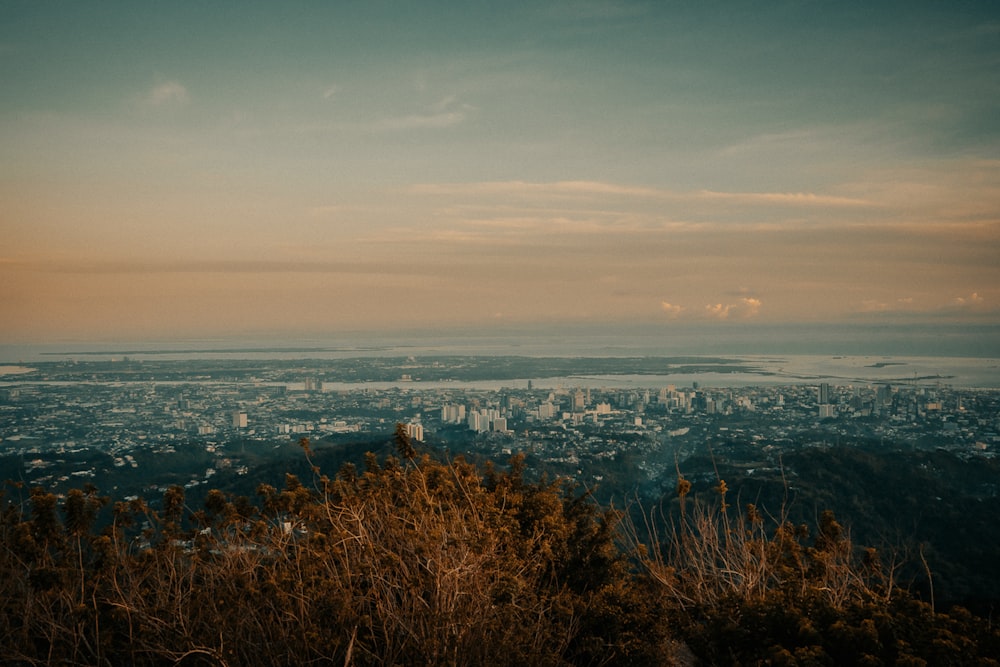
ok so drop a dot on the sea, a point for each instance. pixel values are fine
(945, 355)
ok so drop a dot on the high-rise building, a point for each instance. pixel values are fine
(479, 421)
(452, 413)
(415, 431)
(239, 419)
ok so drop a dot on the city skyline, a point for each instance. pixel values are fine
(183, 171)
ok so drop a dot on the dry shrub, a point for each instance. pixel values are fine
(411, 561)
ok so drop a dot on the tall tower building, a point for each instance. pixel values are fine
(415, 431)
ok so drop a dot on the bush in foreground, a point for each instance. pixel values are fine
(418, 562)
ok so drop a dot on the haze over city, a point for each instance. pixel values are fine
(179, 170)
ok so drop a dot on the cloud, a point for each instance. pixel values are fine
(782, 198)
(330, 92)
(972, 304)
(672, 310)
(873, 306)
(599, 188)
(746, 308)
(970, 301)
(937, 194)
(444, 113)
(756, 144)
(603, 189)
(219, 267)
(434, 120)
(718, 311)
(608, 207)
(444, 104)
(900, 305)
(168, 93)
(751, 306)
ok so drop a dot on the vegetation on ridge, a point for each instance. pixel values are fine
(418, 561)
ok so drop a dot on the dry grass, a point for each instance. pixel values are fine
(708, 555)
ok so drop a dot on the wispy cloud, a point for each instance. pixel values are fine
(447, 112)
(168, 93)
(603, 189)
(782, 198)
(526, 188)
(935, 192)
(902, 305)
(971, 304)
(767, 141)
(113, 267)
(874, 306)
(601, 208)
(417, 121)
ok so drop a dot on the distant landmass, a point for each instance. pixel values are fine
(744, 338)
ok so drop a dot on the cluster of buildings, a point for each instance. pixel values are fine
(478, 420)
(561, 425)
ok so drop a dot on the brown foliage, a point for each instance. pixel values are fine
(414, 562)
(749, 590)
(420, 562)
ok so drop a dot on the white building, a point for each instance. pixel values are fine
(452, 414)
(479, 421)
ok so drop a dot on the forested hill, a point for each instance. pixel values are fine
(409, 559)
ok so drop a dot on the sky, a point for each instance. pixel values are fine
(185, 170)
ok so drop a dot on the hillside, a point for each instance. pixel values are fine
(931, 512)
(417, 560)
